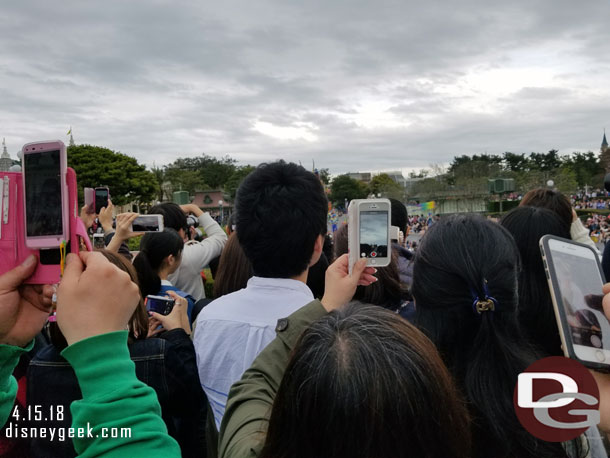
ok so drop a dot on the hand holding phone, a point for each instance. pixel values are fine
(159, 304)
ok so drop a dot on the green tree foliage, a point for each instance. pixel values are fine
(236, 178)
(344, 187)
(98, 166)
(196, 173)
(325, 176)
(384, 185)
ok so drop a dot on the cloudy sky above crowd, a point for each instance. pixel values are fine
(351, 84)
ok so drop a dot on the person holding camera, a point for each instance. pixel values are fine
(196, 255)
(95, 301)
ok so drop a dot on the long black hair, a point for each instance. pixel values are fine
(462, 259)
(154, 248)
(536, 315)
(363, 382)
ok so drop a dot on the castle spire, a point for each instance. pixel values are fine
(5, 160)
(604, 141)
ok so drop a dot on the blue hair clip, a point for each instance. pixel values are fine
(488, 303)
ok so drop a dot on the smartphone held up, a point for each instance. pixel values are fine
(575, 280)
(369, 232)
(38, 207)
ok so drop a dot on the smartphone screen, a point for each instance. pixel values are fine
(580, 285)
(146, 223)
(101, 199)
(374, 234)
(42, 176)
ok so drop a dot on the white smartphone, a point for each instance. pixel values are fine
(575, 280)
(148, 223)
(98, 241)
(368, 232)
(44, 168)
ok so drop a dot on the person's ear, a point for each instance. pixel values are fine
(317, 250)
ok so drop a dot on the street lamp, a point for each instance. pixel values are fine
(220, 202)
(550, 183)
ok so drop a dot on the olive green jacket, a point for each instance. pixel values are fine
(244, 425)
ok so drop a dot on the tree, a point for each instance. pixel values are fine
(98, 166)
(232, 184)
(324, 176)
(195, 173)
(345, 187)
(384, 185)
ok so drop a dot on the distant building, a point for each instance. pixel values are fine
(5, 160)
(397, 177)
(364, 176)
(604, 153)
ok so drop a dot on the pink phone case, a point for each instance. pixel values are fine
(13, 249)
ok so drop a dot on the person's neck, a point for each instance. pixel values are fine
(163, 274)
(301, 277)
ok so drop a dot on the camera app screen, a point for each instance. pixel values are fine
(146, 223)
(373, 234)
(43, 193)
(581, 294)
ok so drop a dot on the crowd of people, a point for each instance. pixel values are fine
(292, 356)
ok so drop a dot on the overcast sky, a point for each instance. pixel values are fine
(352, 84)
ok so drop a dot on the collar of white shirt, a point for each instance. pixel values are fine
(166, 283)
(279, 283)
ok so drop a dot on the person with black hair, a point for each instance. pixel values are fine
(159, 257)
(466, 297)
(536, 315)
(281, 211)
(196, 255)
(400, 219)
(356, 382)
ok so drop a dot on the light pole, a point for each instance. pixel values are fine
(220, 202)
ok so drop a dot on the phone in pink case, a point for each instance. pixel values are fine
(45, 196)
(89, 194)
(13, 247)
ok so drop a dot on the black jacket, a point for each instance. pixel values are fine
(167, 364)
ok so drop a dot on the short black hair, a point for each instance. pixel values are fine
(173, 216)
(400, 217)
(281, 209)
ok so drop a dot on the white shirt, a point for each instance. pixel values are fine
(197, 255)
(233, 329)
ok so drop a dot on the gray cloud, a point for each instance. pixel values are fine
(354, 85)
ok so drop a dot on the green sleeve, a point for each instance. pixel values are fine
(244, 425)
(9, 357)
(113, 398)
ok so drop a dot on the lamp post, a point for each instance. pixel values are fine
(220, 202)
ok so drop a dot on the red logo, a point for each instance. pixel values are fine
(556, 399)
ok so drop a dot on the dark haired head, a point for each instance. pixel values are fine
(460, 259)
(362, 382)
(400, 218)
(281, 211)
(536, 315)
(387, 291)
(155, 247)
(173, 216)
(234, 269)
(552, 200)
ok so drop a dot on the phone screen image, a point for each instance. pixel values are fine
(580, 285)
(374, 234)
(42, 176)
(101, 199)
(146, 223)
